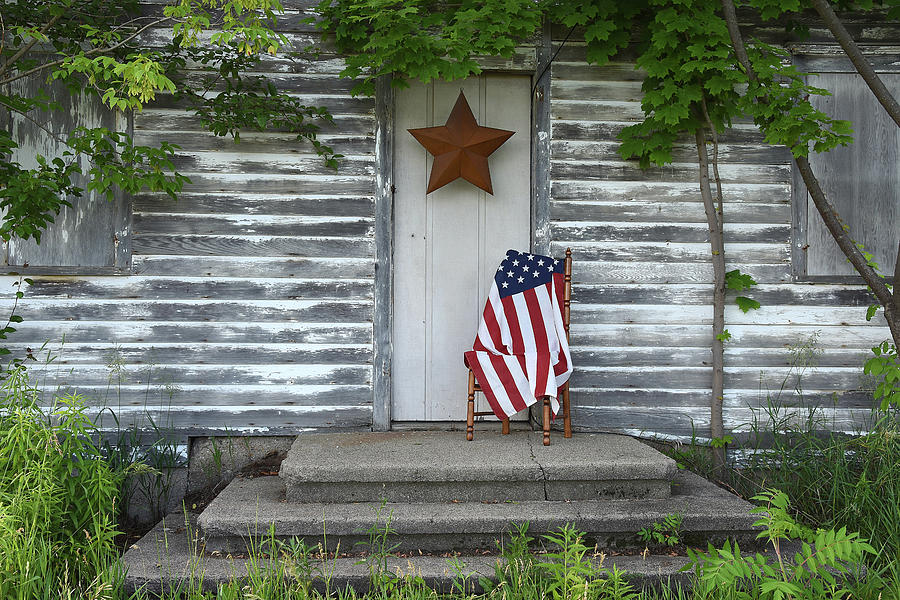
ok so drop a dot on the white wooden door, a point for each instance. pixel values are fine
(448, 244)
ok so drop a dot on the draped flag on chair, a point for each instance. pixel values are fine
(521, 352)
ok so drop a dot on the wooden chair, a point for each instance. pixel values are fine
(471, 413)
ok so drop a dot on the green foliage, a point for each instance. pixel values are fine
(665, 533)
(607, 24)
(421, 39)
(688, 64)
(735, 280)
(834, 479)
(808, 574)
(779, 104)
(380, 547)
(91, 47)
(885, 368)
(247, 102)
(746, 304)
(31, 197)
(721, 442)
(724, 336)
(117, 163)
(7, 329)
(518, 577)
(57, 500)
(568, 571)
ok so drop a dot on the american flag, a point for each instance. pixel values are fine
(520, 352)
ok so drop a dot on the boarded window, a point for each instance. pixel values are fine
(91, 236)
(862, 180)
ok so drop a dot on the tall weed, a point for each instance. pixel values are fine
(57, 499)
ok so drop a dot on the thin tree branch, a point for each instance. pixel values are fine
(43, 127)
(2, 34)
(823, 205)
(717, 244)
(715, 159)
(848, 247)
(843, 37)
(91, 52)
(21, 52)
(896, 294)
(737, 40)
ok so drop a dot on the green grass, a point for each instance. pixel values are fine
(57, 500)
(61, 492)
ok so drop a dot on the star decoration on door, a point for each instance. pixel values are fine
(461, 148)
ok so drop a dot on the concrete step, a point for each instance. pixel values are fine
(440, 466)
(170, 558)
(248, 507)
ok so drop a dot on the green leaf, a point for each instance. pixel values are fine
(746, 304)
(737, 281)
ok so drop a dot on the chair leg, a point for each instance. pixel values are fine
(505, 426)
(567, 419)
(470, 411)
(546, 420)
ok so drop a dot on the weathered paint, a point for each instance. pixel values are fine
(261, 301)
(250, 303)
(641, 315)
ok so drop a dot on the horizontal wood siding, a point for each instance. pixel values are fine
(250, 303)
(642, 314)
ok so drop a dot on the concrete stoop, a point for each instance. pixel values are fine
(441, 494)
(169, 558)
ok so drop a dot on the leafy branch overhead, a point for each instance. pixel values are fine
(96, 51)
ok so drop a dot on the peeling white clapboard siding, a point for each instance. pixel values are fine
(859, 338)
(140, 354)
(247, 419)
(148, 332)
(220, 288)
(572, 150)
(236, 374)
(665, 251)
(171, 119)
(663, 191)
(596, 273)
(250, 304)
(641, 314)
(262, 266)
(313, 205)
(179, 396)
(668, 212)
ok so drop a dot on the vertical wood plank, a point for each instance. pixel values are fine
(540, 145)
(862, 180)
(453, 249)
(384, 205)
(465, 232)
(123, 223)
(508, 213)
(83, 235)
(411, 108)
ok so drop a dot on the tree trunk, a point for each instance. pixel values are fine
(717, 245)
(843, 37)
(826, 210)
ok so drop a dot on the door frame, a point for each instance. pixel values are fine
(383, 319)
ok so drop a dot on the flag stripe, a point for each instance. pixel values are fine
(539, 334)
(521, 338)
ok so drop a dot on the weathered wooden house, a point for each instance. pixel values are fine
(279, 296)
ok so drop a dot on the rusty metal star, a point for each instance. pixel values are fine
(461, 148)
